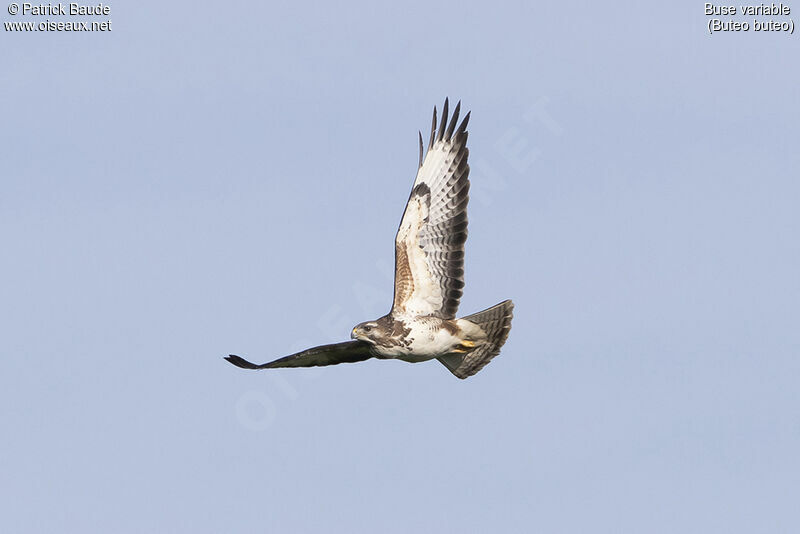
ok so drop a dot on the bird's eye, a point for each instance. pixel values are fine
(367, 328)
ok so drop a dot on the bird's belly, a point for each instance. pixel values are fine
(427, 345)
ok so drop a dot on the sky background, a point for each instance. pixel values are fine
(224, 178)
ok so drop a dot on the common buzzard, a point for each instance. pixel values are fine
(429, 276)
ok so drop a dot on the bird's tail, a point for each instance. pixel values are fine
(496, 323)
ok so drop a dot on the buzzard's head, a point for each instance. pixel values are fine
(370, 331)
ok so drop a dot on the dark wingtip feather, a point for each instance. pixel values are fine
(443, 124)
(420, 149)
(453, 122)
(463, 128)
(241, 362)
(433, 129)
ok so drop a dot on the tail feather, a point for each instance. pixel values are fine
(496, 323)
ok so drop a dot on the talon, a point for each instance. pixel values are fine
(467, 343)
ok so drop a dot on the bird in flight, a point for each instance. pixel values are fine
(428, 278)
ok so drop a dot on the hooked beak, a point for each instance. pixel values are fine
(353, 334)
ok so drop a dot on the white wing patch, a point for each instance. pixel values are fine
(425, 295)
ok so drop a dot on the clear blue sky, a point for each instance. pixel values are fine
(215, 179)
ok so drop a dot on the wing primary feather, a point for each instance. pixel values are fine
(420, 149)
(443, 124)
(241, 362)
(453, 122)
(463, 128)
(433, 130)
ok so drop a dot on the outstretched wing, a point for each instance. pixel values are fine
(429, 247)
(347, 352)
